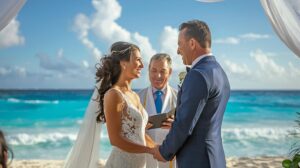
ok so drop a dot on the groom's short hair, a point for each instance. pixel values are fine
(162, 56)
(198, 30)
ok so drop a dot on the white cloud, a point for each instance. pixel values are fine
(228, 40)
(294, 71)
(145, 46)
(267, 65)
(4, 71)
(104, 23)
(82, 27)
(21, 71)
(13, 72)
(19, 77)
(237, 69)
(168, 42)
(262, 72)
(85, 64)
(236, 40)
(10, 35)
(58, 63)
(60, 53)
(254, 36)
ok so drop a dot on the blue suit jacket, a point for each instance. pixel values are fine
(195, 136)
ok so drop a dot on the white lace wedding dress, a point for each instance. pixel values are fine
(133, 128)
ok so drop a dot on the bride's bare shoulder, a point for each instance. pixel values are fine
(113, 94)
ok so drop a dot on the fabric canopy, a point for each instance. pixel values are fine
(8, 10)
(284, 16)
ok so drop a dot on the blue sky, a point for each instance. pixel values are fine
(56, 44)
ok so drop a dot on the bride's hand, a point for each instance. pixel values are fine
(151, 150)
(149, 125)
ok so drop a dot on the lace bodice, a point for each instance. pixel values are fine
(133, 122)
(133, 128)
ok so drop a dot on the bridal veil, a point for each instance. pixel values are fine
(85, 151)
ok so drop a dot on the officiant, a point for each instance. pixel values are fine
(159, 98)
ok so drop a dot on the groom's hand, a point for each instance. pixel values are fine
(157, 154)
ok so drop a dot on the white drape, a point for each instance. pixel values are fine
(8, 10)
(284, 16)
(85, 151)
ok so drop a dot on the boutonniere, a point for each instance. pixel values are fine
(181, 76)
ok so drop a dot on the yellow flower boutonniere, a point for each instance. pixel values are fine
(181, 77)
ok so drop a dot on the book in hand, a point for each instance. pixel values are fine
(157, 120)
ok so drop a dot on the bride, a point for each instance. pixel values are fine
(120, 108)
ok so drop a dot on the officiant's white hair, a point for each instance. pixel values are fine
(162, 56)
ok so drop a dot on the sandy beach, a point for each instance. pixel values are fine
(242, 162)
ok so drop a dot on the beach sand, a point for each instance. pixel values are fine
(232, 162)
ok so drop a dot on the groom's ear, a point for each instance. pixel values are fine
(192, 43)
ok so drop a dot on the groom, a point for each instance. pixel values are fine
(195, 136)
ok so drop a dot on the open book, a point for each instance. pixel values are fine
(157, 120)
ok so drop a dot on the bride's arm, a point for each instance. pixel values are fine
(113, 107)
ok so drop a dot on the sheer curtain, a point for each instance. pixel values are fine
(85, 151)
(8, 10)
(284, 16)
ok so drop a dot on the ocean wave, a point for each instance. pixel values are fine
(14, 100)
(255, 133)
(45, 138)
(32, 139)
(79, 122)
(228, 134)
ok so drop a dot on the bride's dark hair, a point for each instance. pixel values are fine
(109, 70)
(4, 151)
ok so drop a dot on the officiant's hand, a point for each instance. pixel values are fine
(168, 123)
(157, 155)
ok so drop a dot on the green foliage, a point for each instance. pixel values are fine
(295, 151)
(291, 163)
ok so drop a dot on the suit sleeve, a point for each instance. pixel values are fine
(193, 99)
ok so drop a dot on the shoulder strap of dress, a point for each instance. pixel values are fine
(115, 89)
(118, 91)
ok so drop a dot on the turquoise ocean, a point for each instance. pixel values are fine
(43, 124)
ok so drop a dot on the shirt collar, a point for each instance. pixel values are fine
(199, 58)
(164, 90)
